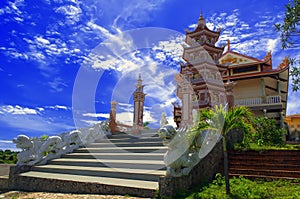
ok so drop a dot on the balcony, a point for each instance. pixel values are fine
(269, 100)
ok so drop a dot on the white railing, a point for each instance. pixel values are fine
(273, 99)
(37, 151)
(258, 101)
(248, 101)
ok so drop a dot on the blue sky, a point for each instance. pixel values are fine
(62, 62)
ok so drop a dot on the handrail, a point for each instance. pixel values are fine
(258, 101)
(39, 151)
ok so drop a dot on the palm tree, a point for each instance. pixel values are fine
(223, 121)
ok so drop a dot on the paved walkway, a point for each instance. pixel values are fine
(44, 195)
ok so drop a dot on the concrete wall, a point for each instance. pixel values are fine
(202, 173)
(247, 89)
(4, 173)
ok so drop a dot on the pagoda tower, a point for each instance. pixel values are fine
(139, 98)
(200, 82)
(113, 126)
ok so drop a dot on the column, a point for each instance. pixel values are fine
(278, 87)
(263, 91)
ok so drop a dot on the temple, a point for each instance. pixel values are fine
(200, 81)
(210, 77)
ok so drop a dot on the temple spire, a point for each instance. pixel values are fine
(201, 20)
(228, 45)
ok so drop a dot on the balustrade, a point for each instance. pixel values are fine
(257, 101)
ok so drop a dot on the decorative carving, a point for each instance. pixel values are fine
(180, 157)
(39, 151)
(285, 62)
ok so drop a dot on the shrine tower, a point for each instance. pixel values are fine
(202, 71)
(139, 98)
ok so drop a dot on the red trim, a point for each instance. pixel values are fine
(275, 71)
(248, 57)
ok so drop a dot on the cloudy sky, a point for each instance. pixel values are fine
(62, 62)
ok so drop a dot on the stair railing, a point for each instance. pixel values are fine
(37, 151)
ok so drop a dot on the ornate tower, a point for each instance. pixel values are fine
(112, 117)
(202, 71)
(139, 98)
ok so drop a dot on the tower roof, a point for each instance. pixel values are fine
(201, 26)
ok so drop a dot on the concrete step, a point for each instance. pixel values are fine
(127, 143)
(114, 149)
(67, 183)
(118, 156)
(133, 164)
(117, 136)
(126, 139)
(122, 173)
(119, 164)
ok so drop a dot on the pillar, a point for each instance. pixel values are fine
(278, 87)
(263, 91)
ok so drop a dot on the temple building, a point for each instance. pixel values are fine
(200, 81)
(210, 77)
(258, 86)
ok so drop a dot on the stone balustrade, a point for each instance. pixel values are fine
(37, 151)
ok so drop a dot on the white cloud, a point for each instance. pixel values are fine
(95, 115)
(252, 39)
(58, 107)
(57, 85)
(72, 13)
(8, 145)
(293, 105)
(272, 44)
(17, 110)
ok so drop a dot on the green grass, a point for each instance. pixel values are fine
(256, 147)
(8, 157)
(242, 188)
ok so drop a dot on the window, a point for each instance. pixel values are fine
(245, 69)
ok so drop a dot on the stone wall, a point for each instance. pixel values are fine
(202, 173)
(4, 173)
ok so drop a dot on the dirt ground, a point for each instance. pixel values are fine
(44, 195)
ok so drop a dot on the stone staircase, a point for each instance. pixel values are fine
(118, 164)
(271, 164)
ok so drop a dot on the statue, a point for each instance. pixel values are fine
(163, 120)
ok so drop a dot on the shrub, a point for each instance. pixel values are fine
(267, 132)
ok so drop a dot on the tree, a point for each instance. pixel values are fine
(145, 125)
(290, 37)
(267, 132)
(219, 120)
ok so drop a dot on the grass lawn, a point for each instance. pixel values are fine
(256, 147)
(242, 188)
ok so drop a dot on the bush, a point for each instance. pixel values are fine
(8, 157)
(267, 132)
